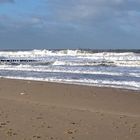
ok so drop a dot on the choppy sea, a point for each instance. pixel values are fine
(107, 68)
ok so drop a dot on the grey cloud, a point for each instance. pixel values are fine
(97, 12)
(81, 9)
(83, 14)
(77, 23)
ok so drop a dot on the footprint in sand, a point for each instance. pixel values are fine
(49, 126)
(50, 138)
(122, 116)
(3, 123)
(73, 123)
(132, 129)
(134, 125)
(11, 133)
(8, 121)
(39, 118)
(70, 131)
(37, 137)
(115, 125)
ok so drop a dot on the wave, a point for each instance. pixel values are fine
(99, 63)
(68, 70)
(132, 85)
(43, 69)
(40, 53)
(71, 58)
(69, 62)
(113, 69)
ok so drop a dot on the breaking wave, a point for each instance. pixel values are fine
(72, 57)
(102, 68)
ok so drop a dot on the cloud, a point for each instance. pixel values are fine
(81, 9)
(6, 1)
(97, 13)
(82, 15)
(72, 23)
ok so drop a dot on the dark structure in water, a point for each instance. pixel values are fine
(16, 61)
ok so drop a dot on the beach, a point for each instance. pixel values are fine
(31, 110)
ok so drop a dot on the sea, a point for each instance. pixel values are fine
(103, 68)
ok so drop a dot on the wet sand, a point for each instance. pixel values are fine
(31, 110)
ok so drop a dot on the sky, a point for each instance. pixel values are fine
(69, 24)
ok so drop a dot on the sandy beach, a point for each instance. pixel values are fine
(31, 110)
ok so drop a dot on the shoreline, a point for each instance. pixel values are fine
(48, 110)
(76, 84)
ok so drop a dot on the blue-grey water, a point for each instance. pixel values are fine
(120, 69)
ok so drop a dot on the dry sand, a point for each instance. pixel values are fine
(32, 110)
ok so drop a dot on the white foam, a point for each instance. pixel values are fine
(80, 57)
(119, 65)
(120, 84)
(44, 69)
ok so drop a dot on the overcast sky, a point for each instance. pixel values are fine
(94, 24)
